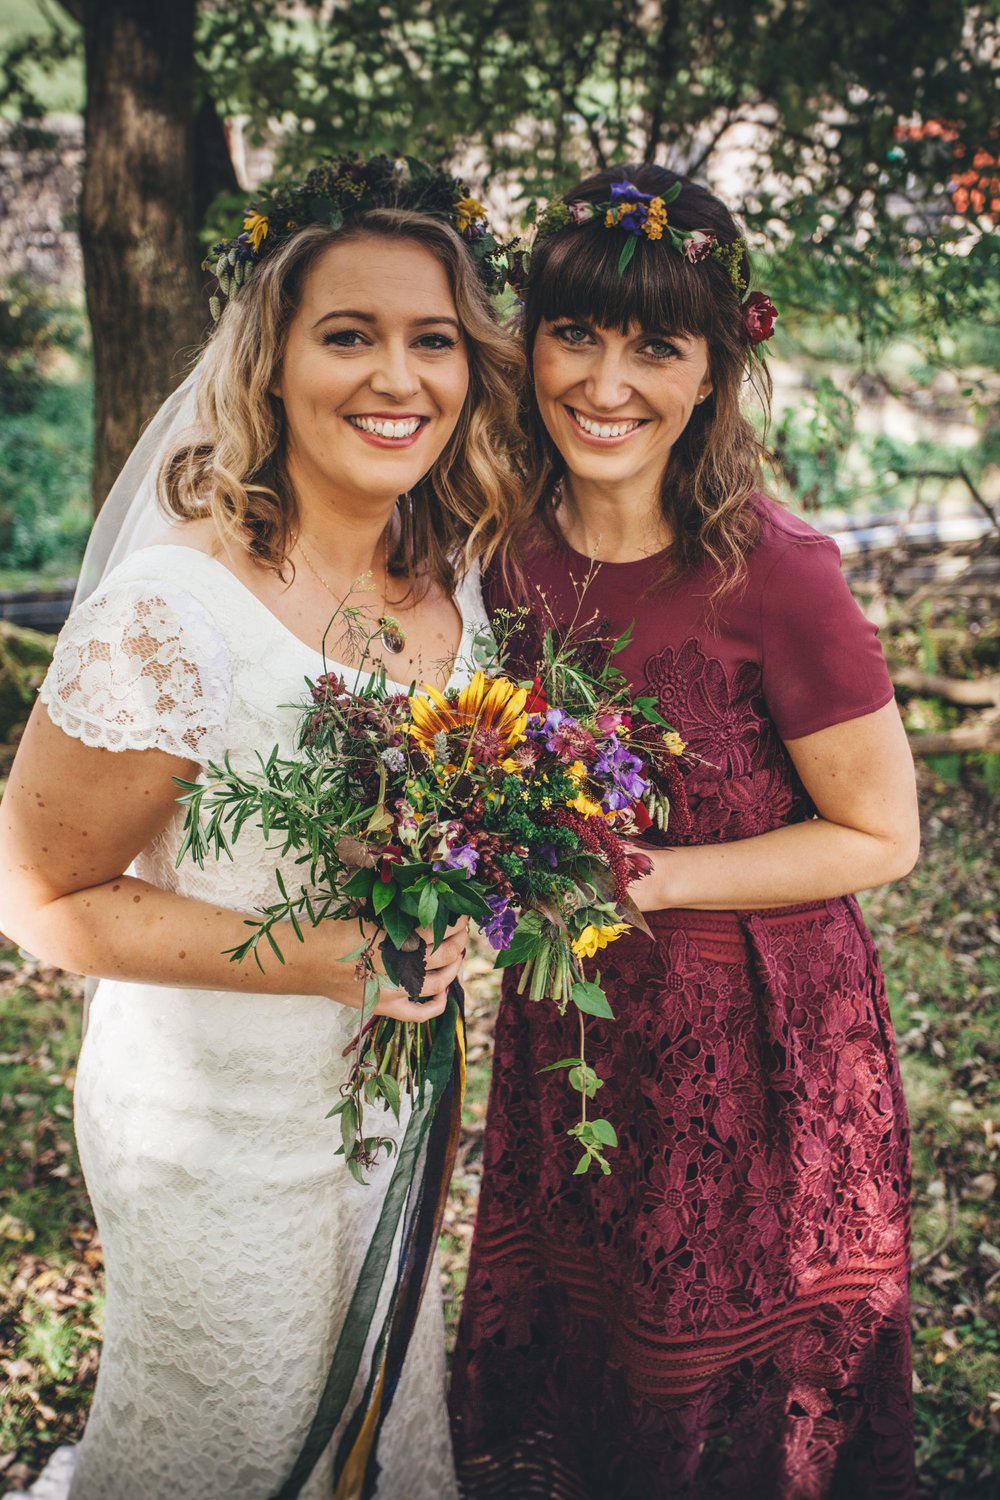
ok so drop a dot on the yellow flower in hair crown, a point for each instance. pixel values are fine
(337, 191)
(468, 211)
(255, 227)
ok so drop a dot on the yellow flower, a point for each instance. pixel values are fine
(593, 938)
(656, 218)
(577, 771)
(673, 742)
(256, 226)
(615, 214)
(468, 210)
(493, 703)
(585, 806)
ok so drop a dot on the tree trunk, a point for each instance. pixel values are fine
(137, 215)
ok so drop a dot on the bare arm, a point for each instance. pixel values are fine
(860, 778)
(72, 820)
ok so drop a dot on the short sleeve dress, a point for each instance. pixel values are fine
(233, 1235)
(726, 1315)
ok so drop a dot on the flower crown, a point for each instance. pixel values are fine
(639, 214)
(339, 190)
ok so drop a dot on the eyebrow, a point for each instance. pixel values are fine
(364, 317)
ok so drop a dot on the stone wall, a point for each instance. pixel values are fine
(39, 190)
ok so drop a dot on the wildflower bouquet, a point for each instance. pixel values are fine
(511, 802)
(507, 802)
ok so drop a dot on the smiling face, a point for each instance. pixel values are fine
(375, 370)
(615, 403)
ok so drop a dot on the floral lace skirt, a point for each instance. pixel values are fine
(727, 1313)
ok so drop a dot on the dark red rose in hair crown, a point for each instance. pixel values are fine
(759, 314)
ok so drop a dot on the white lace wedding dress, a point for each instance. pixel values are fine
(232, 1234)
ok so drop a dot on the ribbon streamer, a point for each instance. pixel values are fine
(417, 1189)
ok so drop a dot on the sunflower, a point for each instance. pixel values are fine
(593, 938)
(489, 704)
(256, 226)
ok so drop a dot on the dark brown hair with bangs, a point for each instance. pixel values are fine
(714, 468)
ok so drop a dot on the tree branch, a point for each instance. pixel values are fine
(982, 736)
(970, 692)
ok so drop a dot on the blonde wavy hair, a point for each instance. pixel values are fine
(714, 470)
(232, 466)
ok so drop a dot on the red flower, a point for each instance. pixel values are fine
(641, 817)
(392, 854)
(536, 702)
(759, 313)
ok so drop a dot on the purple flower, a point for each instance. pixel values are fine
(634, 221)
(562, 736)
(629, 191)
(499, 928)
(547, 852)
(244, 248)
(462, 857)
(627, 786)
(540, 726)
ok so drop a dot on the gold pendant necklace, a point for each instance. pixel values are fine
(390, 632)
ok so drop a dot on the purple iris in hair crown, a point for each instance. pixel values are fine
(629, 193)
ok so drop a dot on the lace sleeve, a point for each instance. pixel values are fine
(142, 666)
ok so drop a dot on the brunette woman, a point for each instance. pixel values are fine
(724, 1315)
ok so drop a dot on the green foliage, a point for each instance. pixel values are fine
(544, 91)
(936, 934)
(45, 510)
(24, 659)
(42, 56)
(45, 426)
(33, 327)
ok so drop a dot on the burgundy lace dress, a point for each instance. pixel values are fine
(726, 1314)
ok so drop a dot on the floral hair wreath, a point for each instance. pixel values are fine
(340, 189)
(646, 214)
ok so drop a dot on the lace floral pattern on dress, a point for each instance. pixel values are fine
(726, 1314)
(742, 781)
(141, 669)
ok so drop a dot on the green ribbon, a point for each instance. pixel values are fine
(364, 1301)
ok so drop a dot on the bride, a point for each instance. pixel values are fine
(351, 366)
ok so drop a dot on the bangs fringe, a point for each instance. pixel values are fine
(659, 291)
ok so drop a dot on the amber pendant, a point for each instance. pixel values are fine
(391, 634)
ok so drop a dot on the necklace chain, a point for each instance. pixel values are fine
(390, 632)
